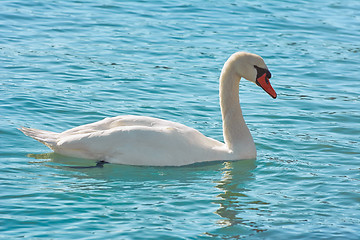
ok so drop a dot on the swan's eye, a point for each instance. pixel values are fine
(261, 71)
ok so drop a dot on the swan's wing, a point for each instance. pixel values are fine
(122, 121)
(140, 145)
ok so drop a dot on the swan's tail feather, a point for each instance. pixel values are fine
(45, 137)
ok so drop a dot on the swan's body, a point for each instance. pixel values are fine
(139, 140)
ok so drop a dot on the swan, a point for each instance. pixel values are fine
(148, 141)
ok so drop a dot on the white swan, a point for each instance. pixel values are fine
(139, 140)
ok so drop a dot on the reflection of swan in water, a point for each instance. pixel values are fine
(235, 202)
(232, 205)
(126, 173)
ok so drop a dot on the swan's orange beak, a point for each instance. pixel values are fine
(264, 83)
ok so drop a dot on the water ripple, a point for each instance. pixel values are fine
(68, 63)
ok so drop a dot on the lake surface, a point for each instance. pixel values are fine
(68, 63)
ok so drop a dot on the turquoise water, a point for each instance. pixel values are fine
(68, 63)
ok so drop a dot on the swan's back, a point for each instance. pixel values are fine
(123, 121)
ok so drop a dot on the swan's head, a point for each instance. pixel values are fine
(253, 68)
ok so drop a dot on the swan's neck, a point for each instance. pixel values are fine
(237, 136)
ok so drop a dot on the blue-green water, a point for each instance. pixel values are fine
(68, 63)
